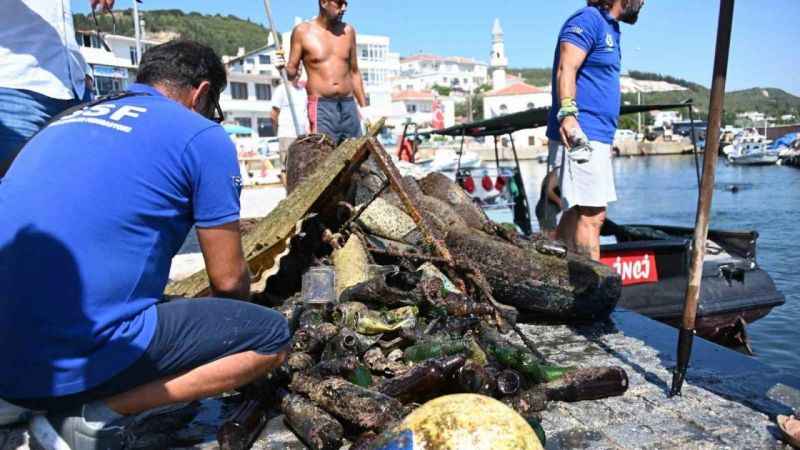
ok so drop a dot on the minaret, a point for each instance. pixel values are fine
(499, 62)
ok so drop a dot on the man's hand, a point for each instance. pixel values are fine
(105, 5)
(567, 125)
(280, 59)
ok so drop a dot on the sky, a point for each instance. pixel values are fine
(672, 37)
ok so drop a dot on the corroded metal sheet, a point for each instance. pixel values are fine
(269, 240)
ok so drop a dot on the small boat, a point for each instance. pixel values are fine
(447, 160)
(751, 149)
(653, 261)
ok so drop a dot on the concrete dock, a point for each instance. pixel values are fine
(729, 400)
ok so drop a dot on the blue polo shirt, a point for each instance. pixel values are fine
(598, 91)
(91, 213)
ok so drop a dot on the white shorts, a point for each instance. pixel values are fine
(589, 184)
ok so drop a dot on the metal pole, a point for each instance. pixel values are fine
(639, 95)
(694, 142)
(137, 33)
(526, 227)
(298, 131)
(687, 329)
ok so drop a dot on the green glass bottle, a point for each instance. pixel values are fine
(434, 349)
(525, 362)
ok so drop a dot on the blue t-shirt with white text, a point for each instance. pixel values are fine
(91, 213)
(598, 87)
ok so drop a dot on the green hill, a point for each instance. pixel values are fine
(225, 34)
(771, 101)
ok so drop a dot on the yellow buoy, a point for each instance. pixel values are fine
(464, 422)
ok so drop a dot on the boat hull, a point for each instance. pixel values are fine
(734, 290)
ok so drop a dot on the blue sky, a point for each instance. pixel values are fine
(674, 37)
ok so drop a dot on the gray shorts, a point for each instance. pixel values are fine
(338, 117)
(589, 184)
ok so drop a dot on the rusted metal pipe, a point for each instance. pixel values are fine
(691, 300)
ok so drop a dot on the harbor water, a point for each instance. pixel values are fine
(663, 190)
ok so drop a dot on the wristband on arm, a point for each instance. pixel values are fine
(569, 108)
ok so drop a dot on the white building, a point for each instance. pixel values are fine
(114, 64)
(418, 106)
(753, 116)
(665, 118)
(247, 101)
(423, 72)
(377, 65)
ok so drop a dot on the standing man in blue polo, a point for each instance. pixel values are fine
(93, 210)
(583, 118)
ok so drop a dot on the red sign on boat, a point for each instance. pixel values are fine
(635, 267)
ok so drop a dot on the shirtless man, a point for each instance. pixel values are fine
(327, 48)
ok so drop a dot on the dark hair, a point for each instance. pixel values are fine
(182, 64)
(605, 4)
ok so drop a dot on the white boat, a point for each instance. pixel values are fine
(446, 160)
(751, 149)
(752, 154)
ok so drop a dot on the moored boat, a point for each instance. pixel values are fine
(653, 261)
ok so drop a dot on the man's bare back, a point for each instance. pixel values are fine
(327, 48)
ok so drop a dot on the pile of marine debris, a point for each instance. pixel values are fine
(407, 293)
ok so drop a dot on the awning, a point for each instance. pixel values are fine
(532, 118)
(237, 129)
(109, 71)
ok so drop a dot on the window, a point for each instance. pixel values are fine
(107, 85)
(250, 61)
(133, 55)
(265, 127)
(88, 40)
(238, 91)
(411, 108)
(365, 53)
(263, 59)
(367, 99)
(244, 121)
(531, 105)
(365, 76)
(531, 141)
(263, 91)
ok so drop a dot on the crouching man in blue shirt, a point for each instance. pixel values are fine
(583, 119)
(93, 210)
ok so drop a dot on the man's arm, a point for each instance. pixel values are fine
(572, 58)
(358, 81)
(274, 115)
(295, 52)
(227, 269)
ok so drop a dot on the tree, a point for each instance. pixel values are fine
(628, 122)
(444, 91)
